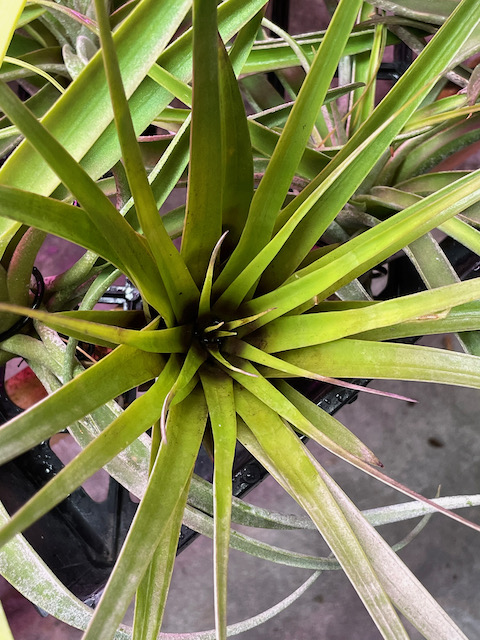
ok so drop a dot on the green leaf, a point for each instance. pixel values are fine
(205, 296)
(4, 626)
(10, 10)
(203, 219)
(248, 351)
(254, 621)
(244, 41)
(163, 178)
(329, 273)
(152, 591)
(59, 218)
(426, 184)
(203, 524)
(292, 332)
(118, 372)
(416, 9)
(142, 36)
(237, 290)
(323, 431)
(237, 160)
(27, 572)
(178, 282)
(279, 404)
(300, 478)
(108, 222)
(463, 233)
(422, 154)
(170, 477)
(140, 40)
(273, 188)
(350, 358)
(29, 14)
(174, 340)
(465, 317)
(273, 55)
(96, 141)
(218, 389)
(332, 428)
(365, 69)
(168, 81)
(405, 591)
(401, 102)
(122, 431)
(264, 140)
(35, 71)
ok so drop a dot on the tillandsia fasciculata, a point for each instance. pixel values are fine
(260, 277)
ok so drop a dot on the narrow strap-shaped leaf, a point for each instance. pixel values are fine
(328, 424)
(118, 372)
(254, 516)
(275, 400)
(203, 524)
(174, 340)
(140, 39)
(170, 476)
(463, 233)
(406, 591)
(274, 54)
(205, 295)
(244, 41)
(269, 197)
(64, 220)
(249, 623)
(237, 290)
(435, 14)
(184, 382)
(4, 626)
(305, 484)
(164, 78)
(29, 574)
(108, 222)
(88, 96)
(237, 160)
(364, 359)
(35, 70)
(465, 317)
(264, 140)
(292, 332)
(345, 447)
(10, 10)
(180, 287)
(402, 100)
(116, 317)
(123, 430)
(365, 67)
(203, 219)
(165, 176)
(251, 353)
(152, 591)
(218, 389)
(329, 272)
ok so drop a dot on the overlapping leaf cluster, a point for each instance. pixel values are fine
(265, 285)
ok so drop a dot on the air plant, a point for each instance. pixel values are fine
(253, 295)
